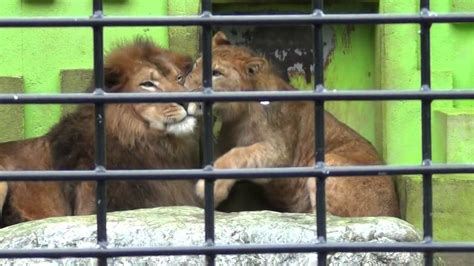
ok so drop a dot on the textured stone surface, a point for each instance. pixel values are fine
(184, 226)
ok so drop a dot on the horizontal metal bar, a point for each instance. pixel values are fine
(279, 19)
(238, 249)
(364, 95)
(178, 174)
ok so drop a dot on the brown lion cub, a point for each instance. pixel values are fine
(281, 134)
(139, 136)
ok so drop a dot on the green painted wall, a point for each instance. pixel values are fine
(452, 55)
(352, 44)
(38, 55)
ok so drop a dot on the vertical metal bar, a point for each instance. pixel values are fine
(206, 9)
(426, 129)
(319, 129)
(100, 154)
(318, 5)
(320, 180)
(97, 6)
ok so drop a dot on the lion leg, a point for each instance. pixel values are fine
(359, 196)
(35, 200)
(331, 204)
(85, 197)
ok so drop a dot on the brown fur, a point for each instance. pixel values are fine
(281, 134)
(138, 137)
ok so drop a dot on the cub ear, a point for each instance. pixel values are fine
(219, 39)
(255, 65)
(113, 79)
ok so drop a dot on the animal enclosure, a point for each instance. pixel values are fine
(425, 133)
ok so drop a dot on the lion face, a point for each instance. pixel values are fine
(145, 68)
(233, 69)
(170, 118)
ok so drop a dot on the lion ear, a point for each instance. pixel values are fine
(255, 65)
(113, 79)
(220, 39)
(184, 63)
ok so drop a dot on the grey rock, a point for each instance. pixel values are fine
(184, 226)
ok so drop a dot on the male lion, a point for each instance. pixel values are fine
(139, 136)
(281, 134)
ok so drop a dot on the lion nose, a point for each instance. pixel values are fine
(184, 105)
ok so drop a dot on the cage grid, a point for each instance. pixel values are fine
(319, 95)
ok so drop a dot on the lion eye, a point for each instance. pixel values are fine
(179, 78)
(216, 73)
(149, 85)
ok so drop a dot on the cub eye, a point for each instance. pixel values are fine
(216, 73)
(180, 78)
(148, 83)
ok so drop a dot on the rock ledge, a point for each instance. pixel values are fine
(184, 226)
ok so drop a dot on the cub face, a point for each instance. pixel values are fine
(233, 69)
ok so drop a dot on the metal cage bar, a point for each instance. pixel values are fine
(206, 9)
(280, 19)
(365, 95)
(319, 148)
(425, 62)
(100, 151)
(99, 98)
(255, 173)
(238, 249)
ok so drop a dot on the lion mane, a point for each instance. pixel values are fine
(138, 136)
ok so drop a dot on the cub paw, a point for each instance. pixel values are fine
(221, 190)
(311, 187)
(200, 189)
(3, 191)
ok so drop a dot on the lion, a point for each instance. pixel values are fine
(138, 136)
(281, 134)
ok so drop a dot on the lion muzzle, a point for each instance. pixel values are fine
(195, 109)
